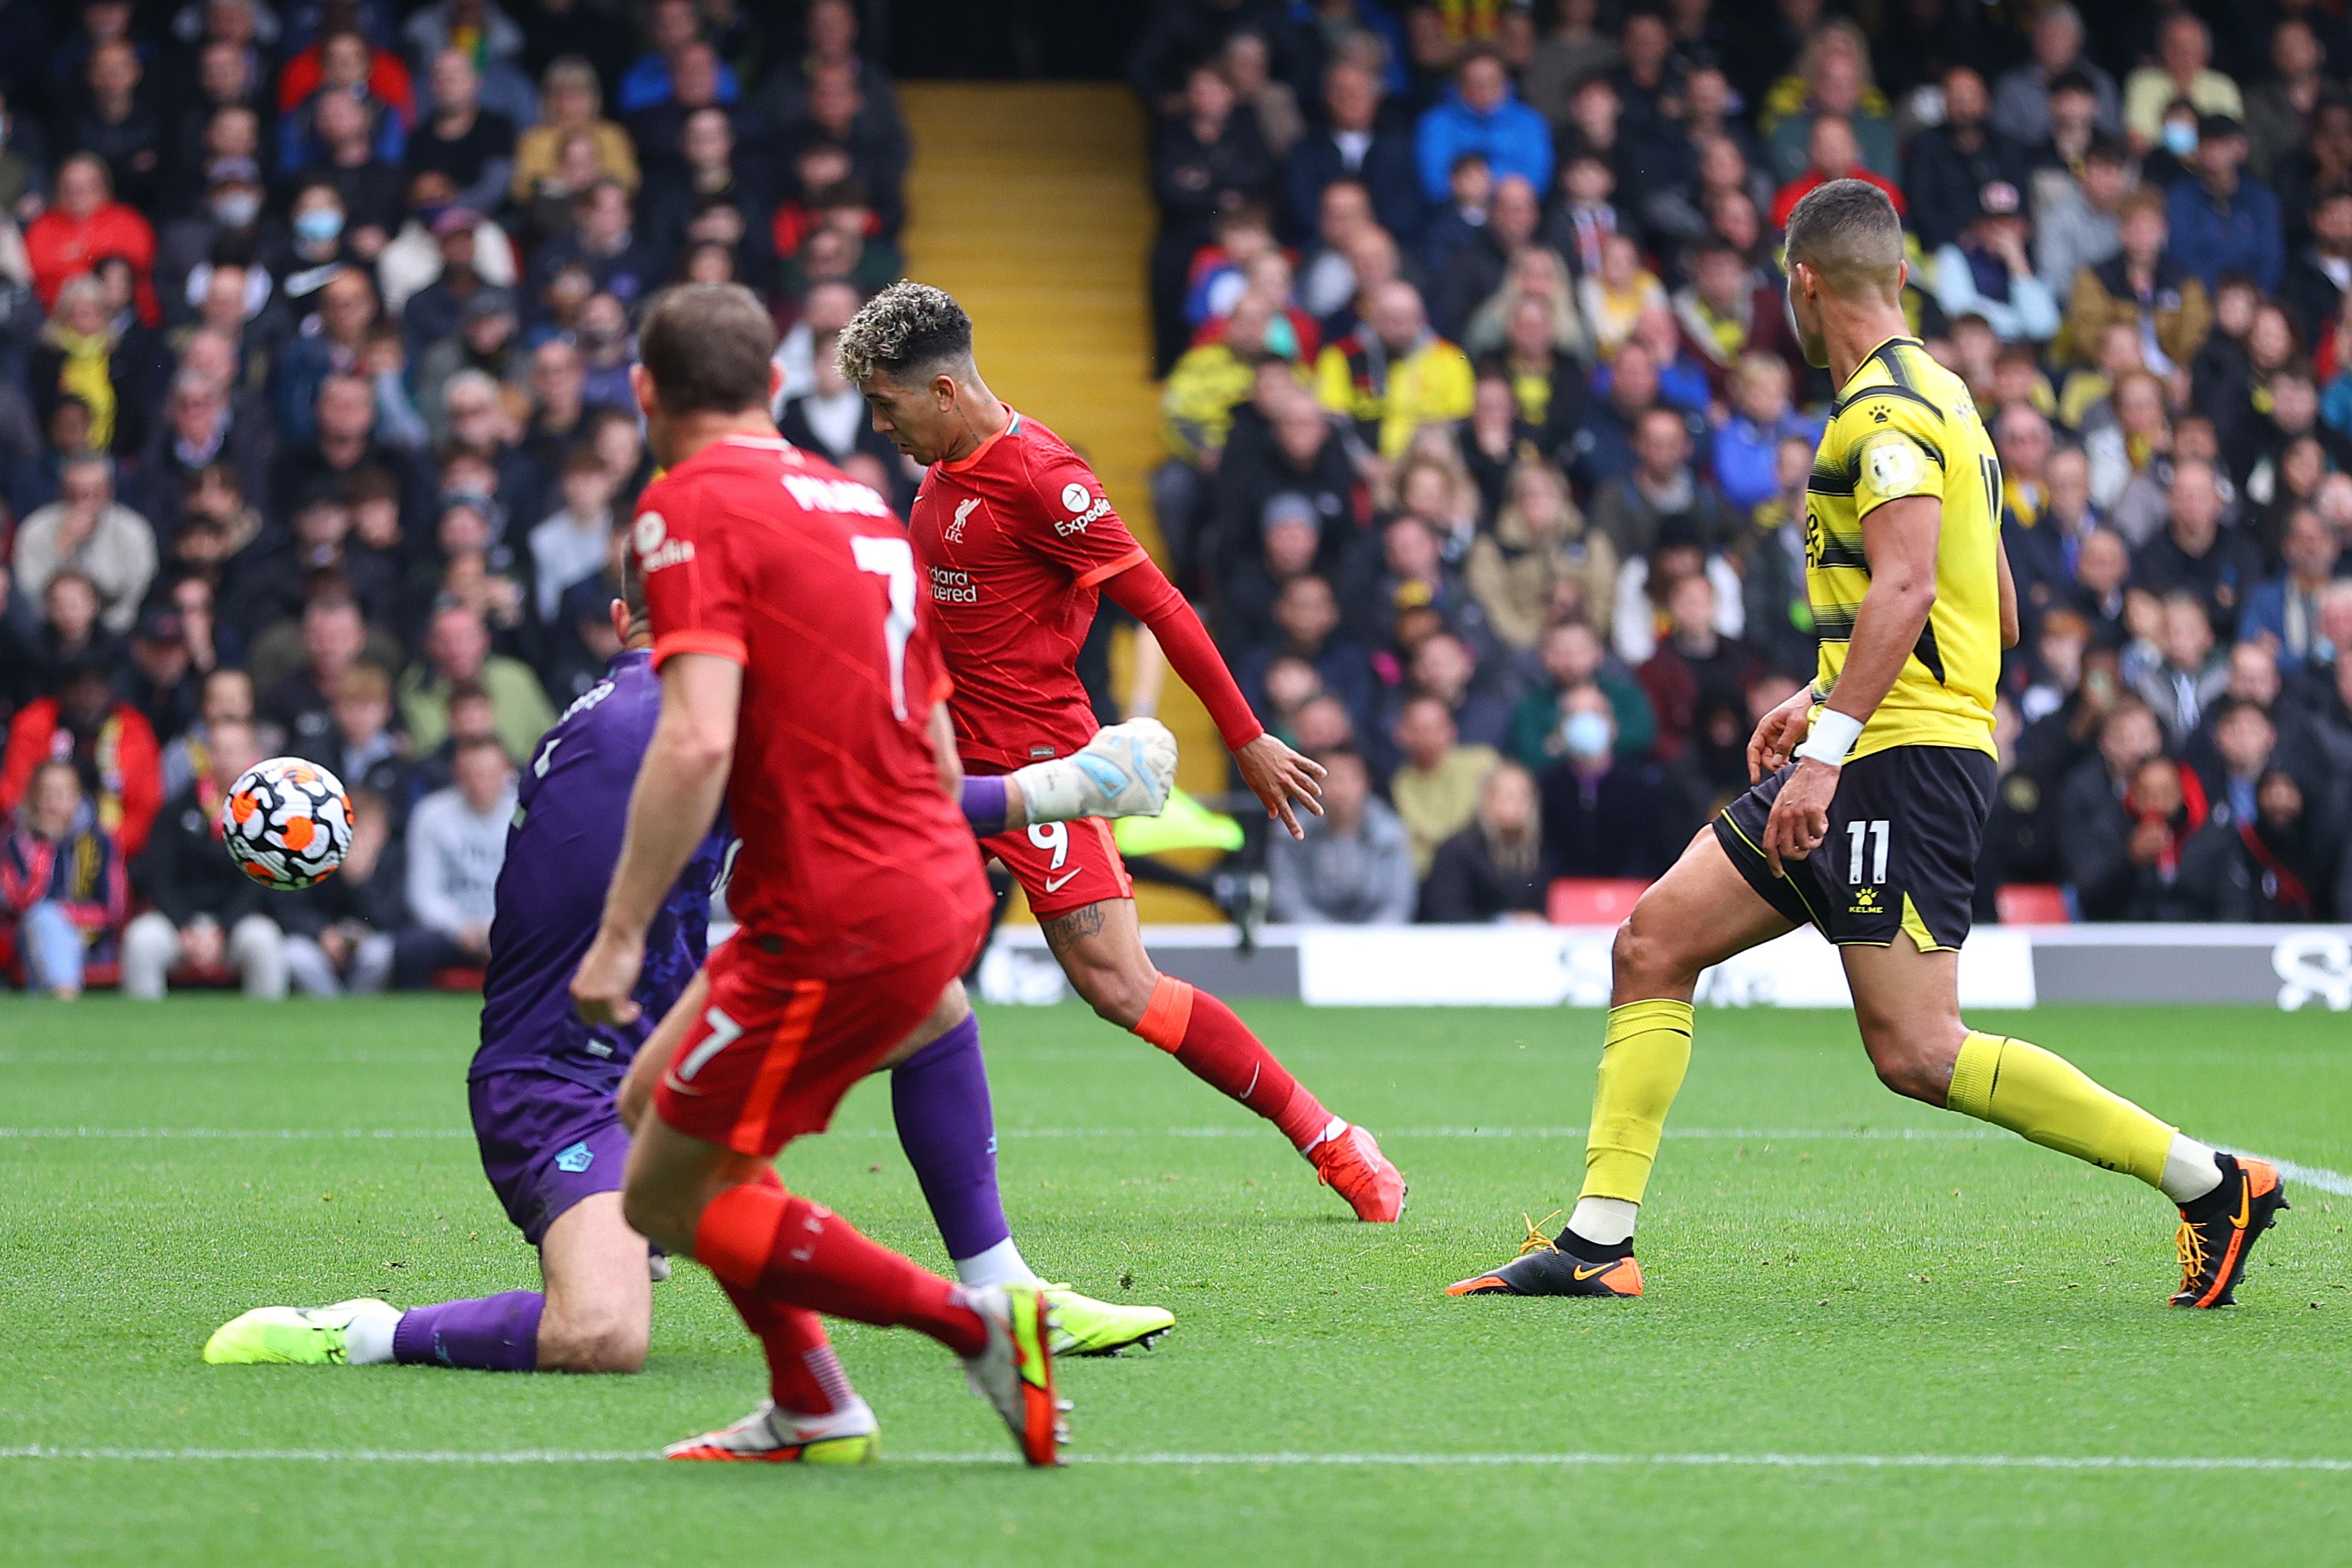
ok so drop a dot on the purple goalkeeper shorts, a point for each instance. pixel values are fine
(547, 1142)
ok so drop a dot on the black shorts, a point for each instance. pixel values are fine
(1901, 853)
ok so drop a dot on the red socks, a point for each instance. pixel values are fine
(781, 1250)
(804, 1375)
(1202, 1033)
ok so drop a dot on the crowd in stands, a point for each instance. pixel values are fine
(315, 321)
(1489, 434)
(1488, 431)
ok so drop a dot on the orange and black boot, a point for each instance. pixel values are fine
(1568, 1267)
(2219, 1229)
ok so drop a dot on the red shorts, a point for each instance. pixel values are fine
(1063, 866)
(774, 1052)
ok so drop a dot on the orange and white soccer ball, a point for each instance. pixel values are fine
(287, 823)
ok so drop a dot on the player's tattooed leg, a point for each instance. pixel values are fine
(1066, 931)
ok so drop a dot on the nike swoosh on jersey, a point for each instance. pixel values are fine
(1054, 884)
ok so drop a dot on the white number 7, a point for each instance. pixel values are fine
(1878, 832)
(893, 559)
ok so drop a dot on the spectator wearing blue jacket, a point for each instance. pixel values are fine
(1355, 146)
(2285, 611)
(2224, 220)
(1747, 447)
(1481, 113)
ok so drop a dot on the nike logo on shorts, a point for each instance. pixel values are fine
(1055, 884)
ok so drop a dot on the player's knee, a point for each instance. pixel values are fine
(1118, 996)
(1907, 1062)
(1641, 959)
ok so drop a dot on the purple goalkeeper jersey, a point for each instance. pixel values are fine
(570, 810)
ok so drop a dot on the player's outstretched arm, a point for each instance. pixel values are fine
(680, 785)
(1899, 539)
(1278, 776)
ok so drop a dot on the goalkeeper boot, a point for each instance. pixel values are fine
(293, 1336)
(1084, 1326)
(1546, 1267)
(1014, 1370)
(772, 1437)
(1351, 1164)
(2219, 1229)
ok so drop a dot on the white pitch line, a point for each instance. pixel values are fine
(1286, 1458)
(2318, 1176)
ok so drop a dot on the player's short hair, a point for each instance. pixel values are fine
(907, 330)
(1847, 231)
(707, 346)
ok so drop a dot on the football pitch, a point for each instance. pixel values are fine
(1875, 1333)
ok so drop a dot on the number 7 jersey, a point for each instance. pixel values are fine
(1904, 425)
(854, 859)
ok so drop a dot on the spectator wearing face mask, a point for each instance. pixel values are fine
(2183, 70)
(1605, 815)
(2223, 219)
(1572, 654)
(1494, 869)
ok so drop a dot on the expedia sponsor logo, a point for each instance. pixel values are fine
(953, 587)
(815, 494)
(656, 548)
(1078, 523)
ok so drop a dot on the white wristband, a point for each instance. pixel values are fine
(1833, 735)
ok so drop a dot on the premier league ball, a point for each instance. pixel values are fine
(287, 823)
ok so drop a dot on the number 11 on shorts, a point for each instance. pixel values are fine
(1876, 832)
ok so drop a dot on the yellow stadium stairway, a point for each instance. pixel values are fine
(1031, 203)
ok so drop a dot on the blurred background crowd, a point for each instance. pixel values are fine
(1487, 433)
(315, 321)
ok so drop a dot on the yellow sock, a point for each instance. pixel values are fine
(2050, 1100)
(1643, 1059)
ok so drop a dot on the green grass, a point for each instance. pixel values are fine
(1824, 1295)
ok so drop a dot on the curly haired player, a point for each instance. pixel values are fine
(1017, 540)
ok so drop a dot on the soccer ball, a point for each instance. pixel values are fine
(287, 823)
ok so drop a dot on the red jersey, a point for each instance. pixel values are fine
(1016, 541)
(853, 858)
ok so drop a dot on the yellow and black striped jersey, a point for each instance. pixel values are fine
(1904, 425)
